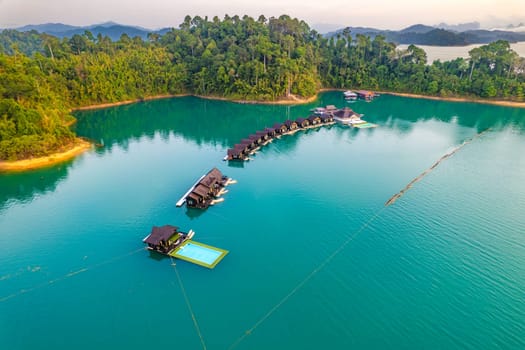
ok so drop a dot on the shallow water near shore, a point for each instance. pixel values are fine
(315, 258)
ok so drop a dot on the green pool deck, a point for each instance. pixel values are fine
(365, 125)
(199, 253)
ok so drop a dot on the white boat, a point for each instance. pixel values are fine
(350, 95)
(318, 110)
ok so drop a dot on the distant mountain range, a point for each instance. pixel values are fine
(419, 34)
(440, 35)
(110, 29)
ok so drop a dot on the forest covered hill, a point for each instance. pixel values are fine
(42, 77)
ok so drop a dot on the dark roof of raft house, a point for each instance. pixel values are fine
(213, 175)
(236, 150)
(201, 190)
(301, 120)
(289, 122)
(162, 233)
(344, 113)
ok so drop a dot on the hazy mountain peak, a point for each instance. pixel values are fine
(417, 28)
(46, 27)
(460, 27)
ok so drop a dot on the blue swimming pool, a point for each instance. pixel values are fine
(200, 254)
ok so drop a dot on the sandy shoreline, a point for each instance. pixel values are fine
(458, 99)
(292, 100)
(80, 146)
(123, 103)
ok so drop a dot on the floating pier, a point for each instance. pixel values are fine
(199, 253)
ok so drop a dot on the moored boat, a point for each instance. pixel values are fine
(350, 95)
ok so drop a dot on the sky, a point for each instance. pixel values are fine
(155, 14)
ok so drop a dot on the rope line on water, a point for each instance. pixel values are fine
(350, 238)
(398, 195)
(68, 275)
(187, 300)
(301, 284)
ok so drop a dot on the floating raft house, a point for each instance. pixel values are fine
(199, 253)
(321, 116)
(165, 239)
(207, 189)
(168, 240)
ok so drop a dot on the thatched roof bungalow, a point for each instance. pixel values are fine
(280, 128)
(291, 125)
(302, 122)
(314, 119)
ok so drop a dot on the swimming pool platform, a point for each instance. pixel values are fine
(199, 253)
(365, 125)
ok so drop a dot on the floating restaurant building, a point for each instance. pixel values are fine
(165, 239)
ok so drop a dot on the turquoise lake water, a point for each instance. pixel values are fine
(316, 260)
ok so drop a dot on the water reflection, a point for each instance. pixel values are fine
(395, 111)
(23, 187)
(198, 120)
(221, 123)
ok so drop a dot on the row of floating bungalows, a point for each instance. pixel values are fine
(247, 146)
(206, 189)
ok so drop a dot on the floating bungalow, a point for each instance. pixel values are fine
(280, 128)
(314, 120)
(263, 136)
(239, 152)
(365, 94)
(291, 125)
(205, 190)
(302, 122)
(165, 239)
(327, 118)
(270, 132)
(249, 143)
(256, 139)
